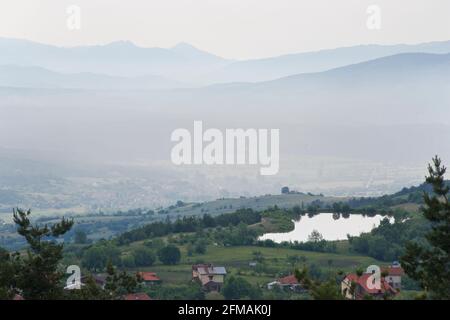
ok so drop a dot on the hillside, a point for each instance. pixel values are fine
(258, 203)
(186, 63)
(308, 62)
(405, 67)
(120, 58)
(37, 77)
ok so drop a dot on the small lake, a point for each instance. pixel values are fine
(327, 224)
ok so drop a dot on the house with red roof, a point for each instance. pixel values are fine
(149, 278)
(358, 287)
(289, 282)
(393, 275)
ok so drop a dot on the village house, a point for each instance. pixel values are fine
(358, 287)
(288, 282)
(149, 278)
(393, 275)
(210, 277)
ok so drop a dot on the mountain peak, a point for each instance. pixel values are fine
(189, 51)
(184, 46)
(122, 43)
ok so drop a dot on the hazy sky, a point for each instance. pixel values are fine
(230, 28)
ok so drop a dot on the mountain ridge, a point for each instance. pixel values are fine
(186, 63)
(38, 77)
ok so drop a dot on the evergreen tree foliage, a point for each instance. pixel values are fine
(430, 264)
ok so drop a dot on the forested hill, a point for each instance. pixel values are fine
(410, 196)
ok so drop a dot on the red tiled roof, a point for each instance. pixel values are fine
(394, 271)
(363, 282)
(149, 276)
(291, 279)
(137, 296)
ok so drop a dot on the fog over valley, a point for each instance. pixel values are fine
(88, 134)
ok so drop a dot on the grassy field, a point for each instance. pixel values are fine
(275, 263)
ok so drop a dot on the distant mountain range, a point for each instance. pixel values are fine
(121, 58)
(391, 108)
(395, 89)
(402, 88)
(405, 67)
(187, 64)
(308, 62)
(37, 77)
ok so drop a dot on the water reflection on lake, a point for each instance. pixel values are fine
(331, 226)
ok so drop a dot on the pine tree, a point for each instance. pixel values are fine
(430, 264)
(7, 275)
(120, 283)
(117, 285)
(318, 290)
(38, 274)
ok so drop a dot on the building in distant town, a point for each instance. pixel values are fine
(149, 278)
(210, 277)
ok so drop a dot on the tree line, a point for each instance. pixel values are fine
(189, 224)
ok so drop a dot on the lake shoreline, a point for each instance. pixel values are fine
(331, 226)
